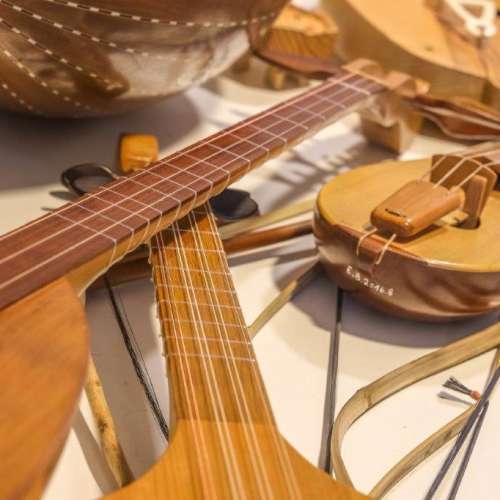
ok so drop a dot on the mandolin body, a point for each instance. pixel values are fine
(98, 57)
(408, 36)
(445, 273)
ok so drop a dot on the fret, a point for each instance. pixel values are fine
(226, 324)
(201, 311)
(248, 149)
(204, 330)
(343, 101)
(133, 211)
(102, 232)
(191, 269)
(170, 231)
(297, 123)
(208, 372)
(144, 202)
(266, 140)
(304, 115)
(56, 248)
(199, 279)
(355, 88)
(209, 339)
(226, 359)
(46, 226)
(196, 343)
(179, 294)
(231, 152)
(111, 221)
(196, 303)
(202, 171)
(203, 251)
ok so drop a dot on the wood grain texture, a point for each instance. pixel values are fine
(103, 419)
(462, 265)
(424, 47)
(44, 359)
(225, 442)
(136, 265)
(97, 57)
(83, 238)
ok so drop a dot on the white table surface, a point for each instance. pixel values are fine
(293, 348)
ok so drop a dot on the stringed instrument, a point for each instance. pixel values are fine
(97, 57)
(416, 238)
(47, 263)
(396, 119)
(452, 44)
(226, 443)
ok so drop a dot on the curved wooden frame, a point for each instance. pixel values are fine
(369, 396)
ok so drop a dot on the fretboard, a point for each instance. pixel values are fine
(82, 239)
(209, 353)
(216, 386)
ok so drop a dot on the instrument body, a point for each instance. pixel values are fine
(225, 441)
(444, 273)
(80, 241)
(426, 47)
(92, 58)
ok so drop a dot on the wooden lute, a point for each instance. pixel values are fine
(226, 443)
(416, 238)
(423, 38)
(45, 264)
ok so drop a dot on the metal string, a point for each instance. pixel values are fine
(223, 133)
(237, 387)
(278, 440)
(140, 366)
(228, 450)
(187, 378)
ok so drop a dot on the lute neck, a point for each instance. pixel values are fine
(206, 340)
(82, 239)
(225, 442)
(216, 388)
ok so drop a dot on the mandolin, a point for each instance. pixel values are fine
(416, 238)
(47, 263)
(98, 57)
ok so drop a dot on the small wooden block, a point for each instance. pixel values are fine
(415, 207)
(137, 151)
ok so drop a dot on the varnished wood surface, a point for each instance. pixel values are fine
(84, 238)
(424, 47)
(349, 199)
(461, 266)
(225, 443)
(43, 360)
(136, 265)
(96, 57)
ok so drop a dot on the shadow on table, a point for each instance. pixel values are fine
(36, 150)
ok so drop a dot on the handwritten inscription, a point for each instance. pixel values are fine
(368, 283)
